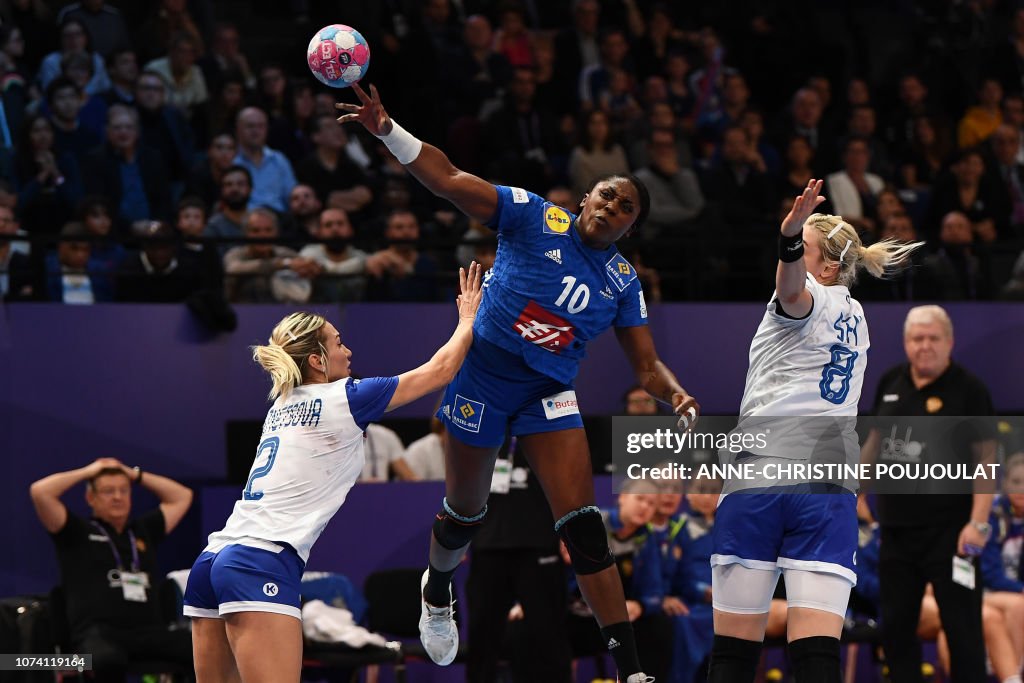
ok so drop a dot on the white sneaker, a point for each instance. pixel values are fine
(640, 678)
(438, 631)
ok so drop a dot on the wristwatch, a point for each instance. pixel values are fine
(984, 528)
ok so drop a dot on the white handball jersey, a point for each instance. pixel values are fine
(807, 368)
(310, 455)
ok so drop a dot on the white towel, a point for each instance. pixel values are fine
(326, 624)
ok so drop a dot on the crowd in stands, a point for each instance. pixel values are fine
(120, 128)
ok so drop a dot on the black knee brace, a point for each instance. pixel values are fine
(452, 530)
(586, 539)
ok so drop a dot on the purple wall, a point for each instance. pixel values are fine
(147, 385)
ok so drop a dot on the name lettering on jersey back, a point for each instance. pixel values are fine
(298, 414)
(846, 325)
(620, 272)
(543, 328)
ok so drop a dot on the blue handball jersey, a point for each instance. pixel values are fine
(548, 293)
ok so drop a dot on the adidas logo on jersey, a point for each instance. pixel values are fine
(555, 255)
(607, 294)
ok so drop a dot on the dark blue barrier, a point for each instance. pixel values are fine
(146, 384)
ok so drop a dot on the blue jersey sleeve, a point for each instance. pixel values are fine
(632, 307)
(516, 208)
(369, 398)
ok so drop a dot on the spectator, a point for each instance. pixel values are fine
(68, 276)
(266, 273)
(342, 267)
(1013, 116)
(596, 79)
(77, 68)
(12, 54)
(104, 23)
(804, 118)
(414, 278)
(982, 119)
(512, 39)
(597, 155)
(123, 69)
(226, 58)
(164, 128)
(659, 117)
(106, 254)
(15, 276)
(1013, 290)
(291, 133)
(638, 402)
(660, 40)
(227, 101)
(131, 175)
(966, 189)
(155, 274)
(928, 149)
(111, 588)
(752, 121)
(272, 95)
(195, 256)
(272, 175)
(681, 98)
(901, 126)
(205, 178)
(853, 191)
(186, 85)
(64, 100)
(576, 47)
(862, 123)
(478, 73)
(384, 451)
(304, 211)
(329, 170)
(919, 534)
(1008, 179)
(798, 169)
(74, 38)
(48, 180)
(955, 272)
(521, 138)
(739, 183)
(676, 198)
(424, 457)
(169, 19)
(235, 192)
(734, 101)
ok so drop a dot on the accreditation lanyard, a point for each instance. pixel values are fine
(113, 547)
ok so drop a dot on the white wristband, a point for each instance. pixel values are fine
(403, 144)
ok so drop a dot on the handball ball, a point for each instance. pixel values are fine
(338, 55)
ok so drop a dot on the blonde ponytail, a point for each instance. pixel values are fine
(291, 343)
(841, 244)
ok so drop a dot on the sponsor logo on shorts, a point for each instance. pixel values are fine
(270, 589)
(620, 272)
(555, 255)
(466, 413)
(556, 221)
(560, 405)
(519, 195)
(543, 328)
(643, 304)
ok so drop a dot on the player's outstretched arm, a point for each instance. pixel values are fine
(654, 376)
(474, 196)
(441, 369)
(791, 275)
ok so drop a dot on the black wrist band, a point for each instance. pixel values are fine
(791, 248)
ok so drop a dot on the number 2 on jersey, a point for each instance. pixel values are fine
(580, 298)
(270, 444)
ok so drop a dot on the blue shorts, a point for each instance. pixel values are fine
(240, 578)
(810, 531)
(496, 389)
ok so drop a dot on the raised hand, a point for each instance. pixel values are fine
(370, 112)
(803, 207)
(471, 291)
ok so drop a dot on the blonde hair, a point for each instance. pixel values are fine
(925, 315)
(293, 341)
(840, 244)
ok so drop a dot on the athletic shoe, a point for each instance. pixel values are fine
(438, 632)
(640, 678)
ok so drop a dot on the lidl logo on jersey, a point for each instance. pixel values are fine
(467, 413)
(556, 221)
(620, 272)
(555, 255)
(543, 328)
(560, 405)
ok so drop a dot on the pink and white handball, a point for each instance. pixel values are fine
(338, 55)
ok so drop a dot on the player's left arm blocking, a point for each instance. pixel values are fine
(653, 375)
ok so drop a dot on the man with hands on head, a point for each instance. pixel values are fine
(108, 563)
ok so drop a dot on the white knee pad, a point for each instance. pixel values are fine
(742, 590)
(817, 590)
